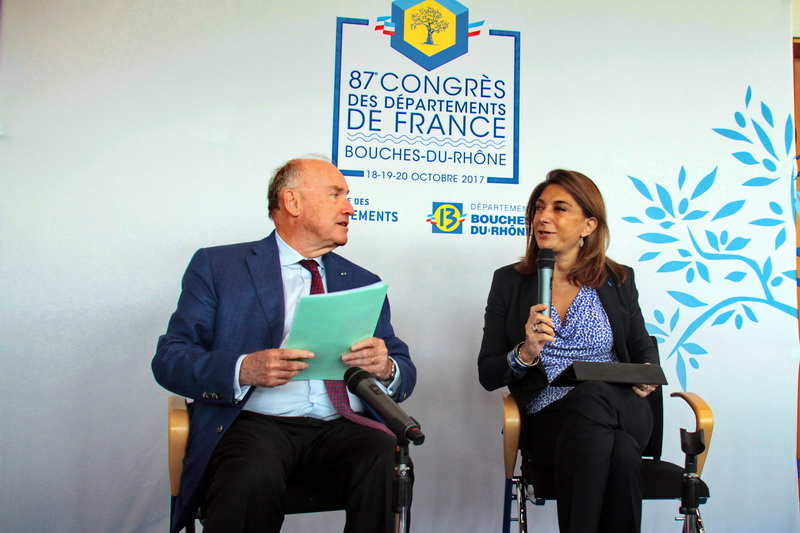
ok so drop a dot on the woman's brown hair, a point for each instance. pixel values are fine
(592, 266)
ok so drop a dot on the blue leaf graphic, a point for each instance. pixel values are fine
(739, 119)
(721, 319)
(769, 164)
(750, 314)
(683, 206)
(748, 95)
(632, 220)
(666, 199)
(674, 320)
(736, 276)
(776, 281)
(695, 364)
(767, 222)
(791, 274)
(693, 348)
(738, 321)
(673, 266)
(656, 213)
(729, 209)
(767, 114)
(690, 275)
(641, 187)
(702, 269)
(712, 240)
(684, 253)
(695, 215)
(723, 237)
(780, 239)
(776, 208)
(764, 138)
(788, 134)
(686, 299)
(759, 182)
(667, 224)
(681, 178)
(680, 369)
(732, 134)
(652, 329)
(737, 244)
(705, 184)
(768, 267)
(745, 157)
(657, 238)
(648, 256)
(659, 316)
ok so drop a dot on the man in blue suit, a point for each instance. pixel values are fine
(251, 427)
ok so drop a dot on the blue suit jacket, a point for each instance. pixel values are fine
(231, 304)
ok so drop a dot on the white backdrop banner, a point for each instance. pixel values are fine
(133, 133)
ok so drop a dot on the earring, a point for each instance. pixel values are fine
(581, 242)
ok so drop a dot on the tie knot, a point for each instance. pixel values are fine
(310, 265)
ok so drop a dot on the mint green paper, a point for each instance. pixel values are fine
(329, 324)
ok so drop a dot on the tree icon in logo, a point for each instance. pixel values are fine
(431, 19)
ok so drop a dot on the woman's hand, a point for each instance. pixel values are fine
(538, 331)
(643, 391)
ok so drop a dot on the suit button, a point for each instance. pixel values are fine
(219, 429)
(205, 396)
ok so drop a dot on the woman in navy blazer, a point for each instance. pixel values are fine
(592, 435)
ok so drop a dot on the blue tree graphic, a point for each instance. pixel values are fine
(688, 238)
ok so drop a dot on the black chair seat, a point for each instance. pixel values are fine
(662, 481)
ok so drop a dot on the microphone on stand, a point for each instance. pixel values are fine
(545, 262)
(363, 385)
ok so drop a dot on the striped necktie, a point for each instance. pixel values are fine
(336, 389)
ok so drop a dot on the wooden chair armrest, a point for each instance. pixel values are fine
(512, 425)
(177, 435)
(704, 418)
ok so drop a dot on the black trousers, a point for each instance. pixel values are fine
(250, 467)
(593, 440)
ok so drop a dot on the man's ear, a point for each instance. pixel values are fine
(292, 201)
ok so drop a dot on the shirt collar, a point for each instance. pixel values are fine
(290, 256)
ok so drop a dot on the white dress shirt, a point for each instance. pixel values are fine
(297, 397)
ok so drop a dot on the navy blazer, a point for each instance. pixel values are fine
(231, 304)
(507, 310)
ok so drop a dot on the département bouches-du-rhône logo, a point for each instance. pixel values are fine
(446, 217)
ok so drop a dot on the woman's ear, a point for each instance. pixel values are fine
(589, 227)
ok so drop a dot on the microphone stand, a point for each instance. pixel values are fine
(692, 444)
(401, 486)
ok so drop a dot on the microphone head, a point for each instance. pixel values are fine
(353, 376)
(545, 258)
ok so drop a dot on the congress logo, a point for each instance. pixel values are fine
(430, 33)
(446, 217)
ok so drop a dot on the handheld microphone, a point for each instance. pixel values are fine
(363, 385)
(545, 262)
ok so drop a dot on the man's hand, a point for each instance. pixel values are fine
(273, 367)
(371, 355)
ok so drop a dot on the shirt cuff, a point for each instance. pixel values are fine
(392, 387)
(239, 392)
